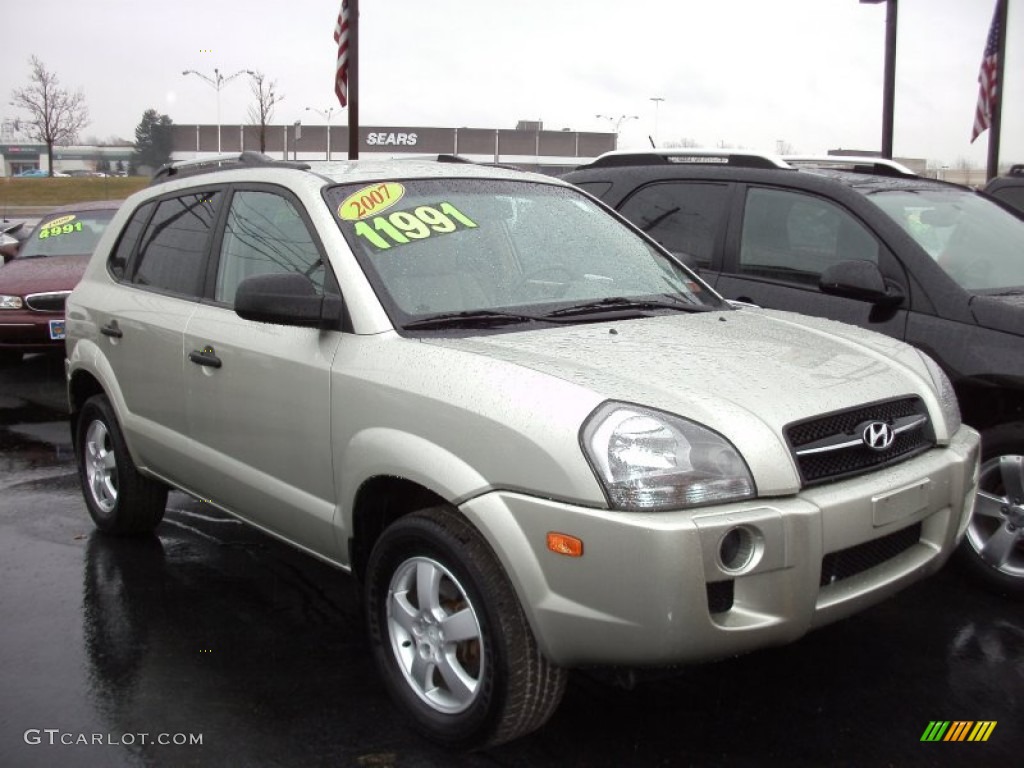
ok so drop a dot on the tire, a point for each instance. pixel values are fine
(992, 551)
(119, 499)
(488, 686)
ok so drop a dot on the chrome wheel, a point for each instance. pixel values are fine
(435, 635)
(100, 466)
(996, 530)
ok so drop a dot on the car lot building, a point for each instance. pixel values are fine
(528, 146)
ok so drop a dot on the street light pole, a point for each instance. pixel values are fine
(618, 123)
(326, 114)
(657, 103)
(217, 82)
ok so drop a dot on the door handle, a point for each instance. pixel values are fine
(205, 356)
(111, 329)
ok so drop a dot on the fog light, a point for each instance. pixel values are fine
(739, 548)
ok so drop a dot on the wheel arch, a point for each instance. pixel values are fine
(392, 473)
(380, 501)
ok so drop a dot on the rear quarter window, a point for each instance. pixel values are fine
(173, 253)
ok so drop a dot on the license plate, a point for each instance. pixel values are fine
(901, 503)
(57, 329)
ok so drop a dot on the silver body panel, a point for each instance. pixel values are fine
(297, 420)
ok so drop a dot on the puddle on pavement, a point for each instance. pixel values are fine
(35, 444)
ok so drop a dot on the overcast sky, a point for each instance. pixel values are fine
(744, 72)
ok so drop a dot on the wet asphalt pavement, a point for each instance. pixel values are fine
(215, 631)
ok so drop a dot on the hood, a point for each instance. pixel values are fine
(45, 273)
(1000, 313)
(745, 374)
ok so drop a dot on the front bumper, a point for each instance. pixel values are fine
(27, 330)
(651, 588)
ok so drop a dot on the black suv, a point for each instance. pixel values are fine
(1009, 188)
(863, 241)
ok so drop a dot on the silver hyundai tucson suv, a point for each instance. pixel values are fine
(537, 439)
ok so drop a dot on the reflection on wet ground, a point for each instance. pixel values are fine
(212, 628)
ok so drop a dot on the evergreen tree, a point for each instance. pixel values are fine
(152, 140)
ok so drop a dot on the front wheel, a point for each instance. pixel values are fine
(993, 547)
(450, 636)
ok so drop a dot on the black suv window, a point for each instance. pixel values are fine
(173, 253)
(264, 234)
(796, 237)
(684, 217)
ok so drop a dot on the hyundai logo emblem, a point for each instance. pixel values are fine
(878, 436)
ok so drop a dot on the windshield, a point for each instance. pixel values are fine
(66, 234)
(977, 243)
(503, 253)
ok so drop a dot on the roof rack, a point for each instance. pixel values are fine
(736, 158)
(221, 163)
(859, 163)
(449, 158)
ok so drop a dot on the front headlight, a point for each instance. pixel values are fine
(10, 302)
(648, 460)
(947, 395)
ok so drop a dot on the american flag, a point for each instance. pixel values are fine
(987, 85)
(341, 38)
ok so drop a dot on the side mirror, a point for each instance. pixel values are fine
(283, 299)
(8, 247)
(860, 280)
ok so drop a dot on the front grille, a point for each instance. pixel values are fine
(845, 563)
(831, 447)
(47, 302)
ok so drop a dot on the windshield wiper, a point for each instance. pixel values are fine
(621, 303)
(476, 318)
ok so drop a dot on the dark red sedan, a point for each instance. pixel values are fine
(35, 284)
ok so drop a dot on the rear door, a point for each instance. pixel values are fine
(779, 243)
(160, 263)
(259, 394)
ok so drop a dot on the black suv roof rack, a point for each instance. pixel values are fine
(735, 158)
(878, 166)
(221, 163)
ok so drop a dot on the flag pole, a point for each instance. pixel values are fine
(995, 130)
(353, 80)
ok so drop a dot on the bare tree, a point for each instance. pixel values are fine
(56, 115)
(783, 147)
(266, 97)
(686, 143)
(965, 165)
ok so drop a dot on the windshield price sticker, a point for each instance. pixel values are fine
(61, 226)
(402, 227)
(370, 201)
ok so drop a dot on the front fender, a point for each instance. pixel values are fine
(388, 452)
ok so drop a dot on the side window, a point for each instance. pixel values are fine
(683, 216)
(118, 261)
(795, 237)
(172, 256)
(264, 235)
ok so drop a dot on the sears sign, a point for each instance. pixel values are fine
(385, 139)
